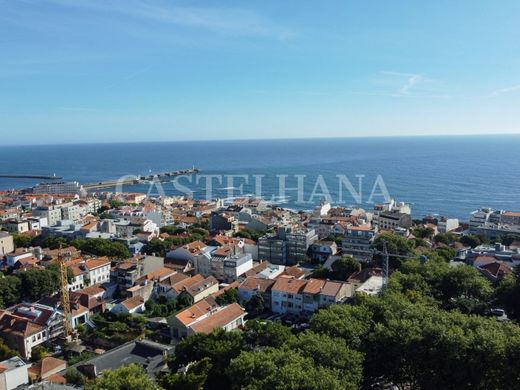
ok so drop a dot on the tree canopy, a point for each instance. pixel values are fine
(130, 377)
(102, 247)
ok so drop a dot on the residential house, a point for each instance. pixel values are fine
(202, 288)
(319, 293)
(287, 295)
(226, 263)
(131, 305)
(47, 369)
(13, 373)
(91, 297)
(24, 326)
(320, 251)
(16, 226)
(21, 253)
(252, 286)
(206, 316)
(390, 220)
(495, 271)
(98, 270)
(183, 257)
(223, 222)
(171, 286)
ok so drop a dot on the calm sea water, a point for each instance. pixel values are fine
(437, 175)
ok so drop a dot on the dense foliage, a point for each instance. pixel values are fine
(102, 247)
(428, 330)
(341, 269)
(130, 377)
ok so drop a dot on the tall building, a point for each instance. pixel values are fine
(57, 188)
(357, 242)
(287, 247)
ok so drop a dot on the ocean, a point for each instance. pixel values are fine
(449, 175)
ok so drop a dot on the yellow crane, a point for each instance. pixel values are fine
(65, 299)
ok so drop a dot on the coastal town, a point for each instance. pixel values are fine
(95, 283)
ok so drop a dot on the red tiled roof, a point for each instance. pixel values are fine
(220, 319)
(291, 286)
(199, 309)
(257, 284)
(132, 303)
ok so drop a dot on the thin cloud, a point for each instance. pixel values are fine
(501, 91)
(401, 84)
(235, 21)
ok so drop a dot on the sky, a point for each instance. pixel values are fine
(141, 70)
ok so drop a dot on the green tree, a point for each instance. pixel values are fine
(21, 240)
(38, 353)
(193, 379)
(74, 377)
(6, 352)
(471, 240)
(102, 247)
(9, 290)
(219, 347)
(423, 232)
(255, 305)
(445, 238)
(227, 297)
(462, 287)
(507, 295)
(351, 323)
(159, 247)
(445, 252)
(52, 242)
(36, 283)
(344, 267)
(250, 234)
(273, 368)
(417, 345)
(258, 333)
(508, 239)
(331, 353)
(396, 245)
(130, 377)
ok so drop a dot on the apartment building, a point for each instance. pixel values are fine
(59, 188)
(287, 247)
(357, 242)
(50, 212)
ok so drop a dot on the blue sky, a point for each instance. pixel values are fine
(135, 70)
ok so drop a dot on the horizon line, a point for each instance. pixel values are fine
(267, 139)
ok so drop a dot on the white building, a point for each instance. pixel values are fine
(6, 243)
(479, 218)
(51, 212)
(71, 212)
(447, 225)
(98, 270)
(13, 373)
(71, 187)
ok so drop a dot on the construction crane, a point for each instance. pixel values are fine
(65, 299)
(386, 261)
